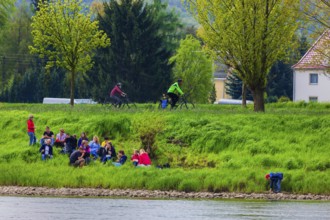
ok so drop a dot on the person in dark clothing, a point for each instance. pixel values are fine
(48, 134)
(122, 159)
(46, 150)
(83, 136)
(107, 153)
(77, 158)
(275, 181)
(70, 144)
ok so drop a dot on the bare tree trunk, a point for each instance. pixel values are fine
(244, 90)
(73, 74)
(258, 99)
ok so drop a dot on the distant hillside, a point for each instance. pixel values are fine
(173, 4)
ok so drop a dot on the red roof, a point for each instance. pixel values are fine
(315, 57)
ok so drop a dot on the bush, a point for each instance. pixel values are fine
(283, 99)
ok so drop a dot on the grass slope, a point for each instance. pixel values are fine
(211, 148)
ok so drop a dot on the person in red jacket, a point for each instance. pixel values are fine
(31, 130)
(144, 159)
(116, 94)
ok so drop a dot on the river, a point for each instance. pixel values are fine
(145, 209)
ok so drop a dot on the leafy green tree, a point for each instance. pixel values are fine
(143, 38)
(194, 67)
(15, 37)
(6, 7)
(316, 14)
(213, 95)
(64, 33)
(35, 4)
(280, 77)
(249, 36)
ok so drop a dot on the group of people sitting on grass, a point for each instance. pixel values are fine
(82, 151)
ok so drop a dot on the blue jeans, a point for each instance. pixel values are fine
(106, 158)
(95, 155)
(32, 138)
(116, 164)
(275, 184)
(45, 157)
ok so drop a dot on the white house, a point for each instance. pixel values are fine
(311, 81)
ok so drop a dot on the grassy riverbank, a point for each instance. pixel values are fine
(211, 148)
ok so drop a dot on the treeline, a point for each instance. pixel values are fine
(143, 38)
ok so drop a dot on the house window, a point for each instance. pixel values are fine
(313, 98)
(313, 78)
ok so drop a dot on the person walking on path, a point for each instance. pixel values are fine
(31, 129)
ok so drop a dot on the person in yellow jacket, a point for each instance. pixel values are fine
(174, 91)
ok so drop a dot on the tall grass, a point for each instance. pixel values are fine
(210, 148)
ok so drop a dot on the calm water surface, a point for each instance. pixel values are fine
(87, 208)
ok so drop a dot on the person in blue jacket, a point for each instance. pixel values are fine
(275, 181)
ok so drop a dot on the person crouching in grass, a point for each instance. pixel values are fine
(77, 158)
(46, 150)
(275, 181)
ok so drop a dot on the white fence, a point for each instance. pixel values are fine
(67, 101)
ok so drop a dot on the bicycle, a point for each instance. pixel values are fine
(127, 102)
(185, 102)
(112, 103)
(182, 102)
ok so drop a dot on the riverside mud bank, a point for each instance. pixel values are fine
(96, 192)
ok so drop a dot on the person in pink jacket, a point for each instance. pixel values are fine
(144, 159)
(116, 94)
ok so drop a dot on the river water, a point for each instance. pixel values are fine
(145, 209)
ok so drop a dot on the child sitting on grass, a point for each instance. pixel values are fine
(46, 150)
(144, 159)
(106, 153)
(135, 157)
(122, 159)
(87, 151)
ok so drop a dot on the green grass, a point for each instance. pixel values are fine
(211, 148)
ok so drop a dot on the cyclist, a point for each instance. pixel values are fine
(173, 92)
(116, 94)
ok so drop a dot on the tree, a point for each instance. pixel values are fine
(143, 38)
(234, 87)
(6, 7)
(194, 67)
(248, 36)
(280, 77)
(35, 4)
(64, 33)
(15, 37)
(213, 94)
(317, 14)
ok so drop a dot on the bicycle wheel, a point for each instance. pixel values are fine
(186, 105)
